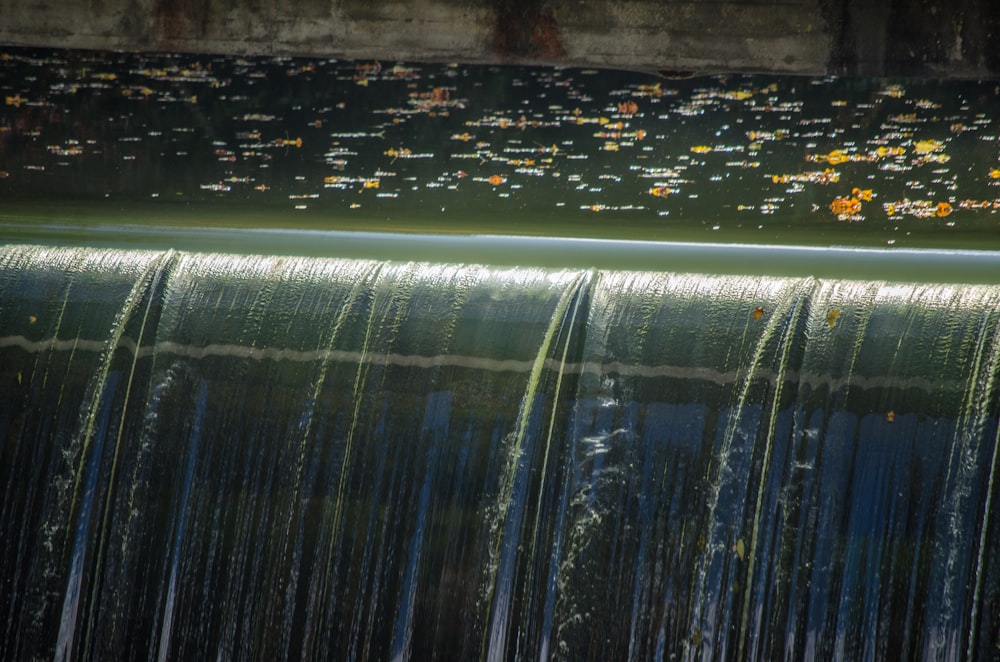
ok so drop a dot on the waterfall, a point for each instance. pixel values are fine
(223, 456)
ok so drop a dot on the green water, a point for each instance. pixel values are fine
(186, 140)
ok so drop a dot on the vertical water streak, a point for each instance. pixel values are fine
(618, 322)
(786, 344)
(966, 466)
(830, 340)
(984, 533)
(161, 269)
(552, 584)
(322, 581)
(359, 382)
(309, 418)
(651, 295)
(71, 601)
(583, 294)
(22, 269)
(183, 508)
(96, 405)
(438, 408)
(504, 539)
(704, 626)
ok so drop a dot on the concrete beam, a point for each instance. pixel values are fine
(938, 38)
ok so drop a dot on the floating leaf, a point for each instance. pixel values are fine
(846, 207)
(928, 146)
(836, 157)
(831, 317)
(628, 107)
(927, 208)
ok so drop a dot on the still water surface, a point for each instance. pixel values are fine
(311, 143)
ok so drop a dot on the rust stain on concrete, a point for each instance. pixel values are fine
(178, 21)
(526, 29)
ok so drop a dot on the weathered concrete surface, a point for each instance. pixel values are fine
(941, 38)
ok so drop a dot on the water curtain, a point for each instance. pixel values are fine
(221, 456)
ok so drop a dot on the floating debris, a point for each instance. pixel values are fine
(923, 208)
(847, 208)
(563, 143)
(827, 176)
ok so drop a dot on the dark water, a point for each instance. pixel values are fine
(227, 457)
(215, 140)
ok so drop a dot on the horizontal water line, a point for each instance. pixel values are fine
(915, 265)
(279, 354)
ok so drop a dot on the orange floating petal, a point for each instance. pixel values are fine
(846, 206)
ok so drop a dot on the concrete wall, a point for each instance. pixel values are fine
(940, 38)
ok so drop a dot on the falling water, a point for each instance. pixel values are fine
(210, 456)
